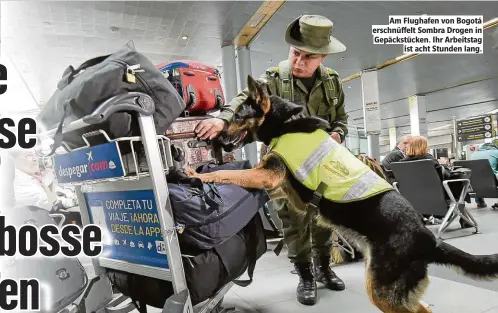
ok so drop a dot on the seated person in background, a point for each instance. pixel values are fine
(488, 151)
(396, 155)
(30, 187)
(418, 149)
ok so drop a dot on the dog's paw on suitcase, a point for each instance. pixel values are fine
(190, 172)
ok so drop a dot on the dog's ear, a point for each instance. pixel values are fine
(258, 94)
(252, 86)
(294, 108)
(288, 109)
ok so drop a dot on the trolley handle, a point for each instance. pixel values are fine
(131, 101)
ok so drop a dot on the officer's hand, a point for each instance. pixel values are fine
(336, 137)
(209, 128)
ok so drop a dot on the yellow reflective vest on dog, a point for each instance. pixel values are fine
(316, 158)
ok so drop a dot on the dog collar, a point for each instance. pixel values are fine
(295, 117)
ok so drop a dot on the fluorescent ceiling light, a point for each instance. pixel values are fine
(257, 20)
(491, 21)
(405, 56)
(441, 127)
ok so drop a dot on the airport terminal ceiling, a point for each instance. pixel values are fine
(43, 38)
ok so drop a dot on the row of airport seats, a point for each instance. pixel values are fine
(419, 182)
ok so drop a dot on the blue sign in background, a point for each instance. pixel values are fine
(131, 219)
(97, 162)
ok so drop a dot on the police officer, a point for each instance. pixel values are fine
(303, 80)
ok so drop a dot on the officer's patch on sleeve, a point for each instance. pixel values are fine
(272, 70)
(332, 72)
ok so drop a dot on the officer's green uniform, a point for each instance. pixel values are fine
(322, 96)
(327, 85)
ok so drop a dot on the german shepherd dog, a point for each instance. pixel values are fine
(397, 246)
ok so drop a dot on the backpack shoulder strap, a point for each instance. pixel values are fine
(328, 76)
(286, 80)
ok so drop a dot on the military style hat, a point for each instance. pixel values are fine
(313, 34)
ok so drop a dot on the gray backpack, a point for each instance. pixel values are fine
(82, 90)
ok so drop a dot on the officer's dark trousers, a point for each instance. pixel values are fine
(302, 237)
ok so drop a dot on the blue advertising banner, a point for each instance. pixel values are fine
(130, 224)
(97, 162)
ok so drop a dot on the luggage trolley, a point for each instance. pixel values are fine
(131, 207)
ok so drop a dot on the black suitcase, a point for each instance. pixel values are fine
(206, 272)
(212, 213)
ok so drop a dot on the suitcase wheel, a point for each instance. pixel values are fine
(219, 102)
(219, 99)
(192, 99)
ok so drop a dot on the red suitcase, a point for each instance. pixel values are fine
(197, 83)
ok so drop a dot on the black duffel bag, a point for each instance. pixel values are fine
(82, 90)
(212, 213)
(206, 272)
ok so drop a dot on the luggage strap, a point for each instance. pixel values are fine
(134, 301)
(69, 75)
(58, 133)
(215, 202)
(287, 85)
(279, 247)
(251, 253)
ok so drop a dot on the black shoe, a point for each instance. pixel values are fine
(481, 205)
(325, 275)
(306, 289)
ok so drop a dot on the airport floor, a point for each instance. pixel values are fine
(274, 286)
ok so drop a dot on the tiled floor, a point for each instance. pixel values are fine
(274, 287)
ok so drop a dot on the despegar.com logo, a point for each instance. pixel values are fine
(91, 167)
(73, 170)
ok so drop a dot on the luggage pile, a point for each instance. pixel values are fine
(200, 87)
(82, 90)
(223, 235)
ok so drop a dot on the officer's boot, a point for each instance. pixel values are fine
(325, 275)
(306, 289)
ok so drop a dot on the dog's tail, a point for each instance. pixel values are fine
(482, 267)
